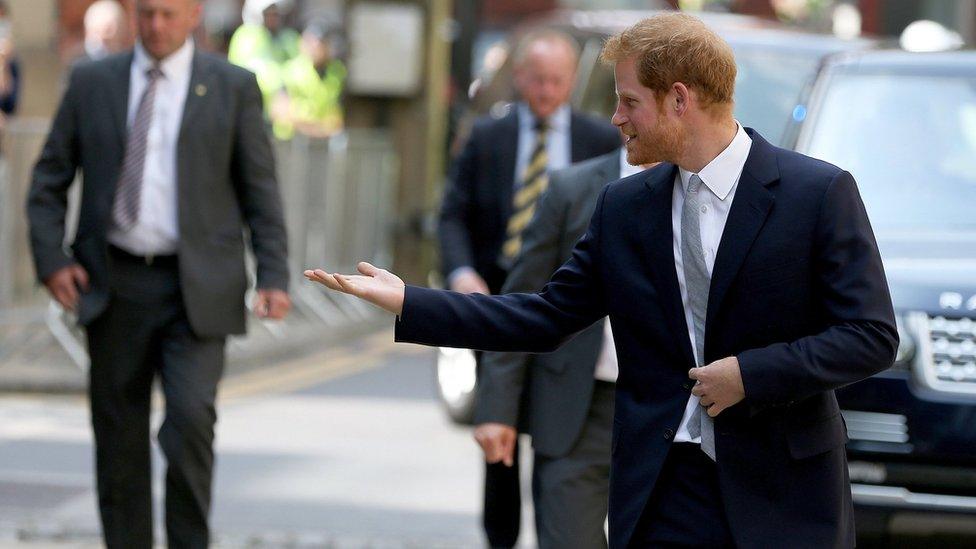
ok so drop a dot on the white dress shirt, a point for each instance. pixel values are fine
(606, 364)
(720, 178)
(558, 142)
(156, 232)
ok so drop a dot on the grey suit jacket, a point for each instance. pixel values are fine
(227, 189)
(548, 395)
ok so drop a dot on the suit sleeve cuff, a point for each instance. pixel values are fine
(758, 381)
(53, 263)
(495, 412)
(405, 331)
(273, 280)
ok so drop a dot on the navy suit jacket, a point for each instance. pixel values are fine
(798, 294)
(478, 198)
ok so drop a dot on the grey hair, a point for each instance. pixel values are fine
(543, 35)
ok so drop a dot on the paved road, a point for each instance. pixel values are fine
(344, 448)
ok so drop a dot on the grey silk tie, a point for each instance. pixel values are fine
(697, 281)
(125, 209)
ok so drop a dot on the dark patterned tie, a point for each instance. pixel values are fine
(125, 210)
(533, 183)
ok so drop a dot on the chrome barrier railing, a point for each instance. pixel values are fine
(338, 198)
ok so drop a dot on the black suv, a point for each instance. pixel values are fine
(904, 124)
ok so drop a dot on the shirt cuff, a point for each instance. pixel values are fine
(449, 280)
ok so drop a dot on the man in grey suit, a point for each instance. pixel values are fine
(563, 399)
(176, 165)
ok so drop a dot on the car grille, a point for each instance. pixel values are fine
(946, 357)
(876, 427)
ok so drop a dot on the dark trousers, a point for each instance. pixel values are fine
(685, 508)
(571, 492)
(145, 332)
(502, 514)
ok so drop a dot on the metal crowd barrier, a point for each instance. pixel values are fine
(338, 198)
(21, 142)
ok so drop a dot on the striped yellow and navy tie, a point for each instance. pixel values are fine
(533, 183)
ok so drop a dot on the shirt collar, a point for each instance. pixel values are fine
(95, 50)
(721, 174)
(558, 121)
(177, 64)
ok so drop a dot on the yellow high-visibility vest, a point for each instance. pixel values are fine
(313, 97)
(254, 48)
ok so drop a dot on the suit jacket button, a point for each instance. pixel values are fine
(686, 385)
(668, 434)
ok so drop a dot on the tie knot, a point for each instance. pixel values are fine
(153, 73)
(694, 184)
(541, 125)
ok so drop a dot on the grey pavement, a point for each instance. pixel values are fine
(344, 448)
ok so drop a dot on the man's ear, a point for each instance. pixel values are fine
(680, 98)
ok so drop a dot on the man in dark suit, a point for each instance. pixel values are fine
(564, 399)
(478, 202)
(743, 284)
(176, 165)
(491, 196)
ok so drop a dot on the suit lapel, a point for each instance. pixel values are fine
(119, 93)
(197, 95)
(507, 150)
(750, 207)
(658, 239)
(577, 140)
(604, 172)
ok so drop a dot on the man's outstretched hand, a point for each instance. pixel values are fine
(378, 286)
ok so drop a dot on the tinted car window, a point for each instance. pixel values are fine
(767, 86)
(909, 140)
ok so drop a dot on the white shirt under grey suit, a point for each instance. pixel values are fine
(156, 231)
